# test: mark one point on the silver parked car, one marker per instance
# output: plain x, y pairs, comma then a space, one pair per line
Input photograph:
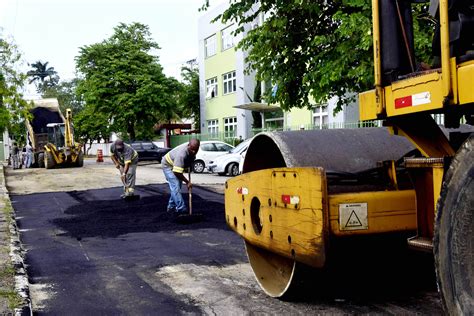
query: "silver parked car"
229, 163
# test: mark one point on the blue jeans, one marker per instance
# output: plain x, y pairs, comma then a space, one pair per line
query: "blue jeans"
176, 199
29, 160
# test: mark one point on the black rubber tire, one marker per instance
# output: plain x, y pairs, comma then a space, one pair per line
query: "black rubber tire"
80, 159
41, 160
454, 234
198, 166
49, 162
233, 169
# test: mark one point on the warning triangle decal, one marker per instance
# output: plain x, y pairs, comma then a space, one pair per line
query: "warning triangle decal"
353, 220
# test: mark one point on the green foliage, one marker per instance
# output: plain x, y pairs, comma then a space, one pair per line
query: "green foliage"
190, 96
90, 125
311, 50
13, 108
123, 80
43, 76
65, 92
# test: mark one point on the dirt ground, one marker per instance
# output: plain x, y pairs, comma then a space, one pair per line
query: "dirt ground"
95, 175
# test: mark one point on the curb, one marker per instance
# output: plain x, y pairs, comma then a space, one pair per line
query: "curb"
17, 254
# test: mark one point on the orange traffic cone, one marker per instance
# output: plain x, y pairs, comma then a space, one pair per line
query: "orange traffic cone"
100, 157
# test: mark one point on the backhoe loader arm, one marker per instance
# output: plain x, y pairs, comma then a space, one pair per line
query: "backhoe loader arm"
69, 134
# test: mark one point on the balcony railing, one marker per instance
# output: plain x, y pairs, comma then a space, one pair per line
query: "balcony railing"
231, 137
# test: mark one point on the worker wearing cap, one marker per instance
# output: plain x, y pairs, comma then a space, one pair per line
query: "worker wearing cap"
125, 159
174, 163
15, 156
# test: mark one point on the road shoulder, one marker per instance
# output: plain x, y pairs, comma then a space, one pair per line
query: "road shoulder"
14, 293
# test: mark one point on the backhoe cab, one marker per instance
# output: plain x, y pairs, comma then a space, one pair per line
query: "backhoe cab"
61, 150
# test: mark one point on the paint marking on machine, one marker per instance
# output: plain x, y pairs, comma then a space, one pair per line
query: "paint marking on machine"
242, 190
413, 100
353, 216
290, 199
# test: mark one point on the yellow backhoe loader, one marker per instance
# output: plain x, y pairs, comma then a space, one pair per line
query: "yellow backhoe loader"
412, 176
52, 136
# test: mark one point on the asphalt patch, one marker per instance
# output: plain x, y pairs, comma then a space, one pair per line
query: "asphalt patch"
112, 218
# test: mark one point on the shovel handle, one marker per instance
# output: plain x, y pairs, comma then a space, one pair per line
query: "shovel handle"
190, 194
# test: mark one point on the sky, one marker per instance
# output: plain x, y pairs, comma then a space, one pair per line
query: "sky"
54, 30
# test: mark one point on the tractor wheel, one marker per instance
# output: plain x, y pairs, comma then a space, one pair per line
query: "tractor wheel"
233, 169
49, 160
80, 159
454, 234
198, 166
41, 160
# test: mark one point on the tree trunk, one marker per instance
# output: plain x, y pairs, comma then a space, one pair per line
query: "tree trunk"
90, 146
131, 130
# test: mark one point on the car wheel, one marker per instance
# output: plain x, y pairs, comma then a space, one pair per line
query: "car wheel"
234, 169
198, 166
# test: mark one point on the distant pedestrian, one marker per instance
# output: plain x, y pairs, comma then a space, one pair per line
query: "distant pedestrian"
15, 156
174, 163
125, 159
29, 155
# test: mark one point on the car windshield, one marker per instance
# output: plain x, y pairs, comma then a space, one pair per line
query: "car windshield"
240, 146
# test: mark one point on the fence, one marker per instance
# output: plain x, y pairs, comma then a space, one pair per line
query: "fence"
230, 137
227, 137
92, 151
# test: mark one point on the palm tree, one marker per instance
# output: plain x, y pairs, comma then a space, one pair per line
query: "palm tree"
43, 75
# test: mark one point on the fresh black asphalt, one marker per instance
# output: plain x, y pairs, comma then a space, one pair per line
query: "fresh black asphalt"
76, 240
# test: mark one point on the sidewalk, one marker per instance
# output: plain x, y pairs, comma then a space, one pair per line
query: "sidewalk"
14, 294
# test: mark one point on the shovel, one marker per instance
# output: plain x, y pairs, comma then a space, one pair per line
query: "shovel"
189, 218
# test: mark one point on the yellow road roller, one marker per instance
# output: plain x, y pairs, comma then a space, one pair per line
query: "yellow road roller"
302, 190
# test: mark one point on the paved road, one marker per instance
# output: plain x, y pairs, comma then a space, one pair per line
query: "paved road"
90, 253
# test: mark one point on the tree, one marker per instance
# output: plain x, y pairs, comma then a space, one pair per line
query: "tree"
122, 79
90, 125
43, 76
65, 92
13, 108
190, 96
312, 49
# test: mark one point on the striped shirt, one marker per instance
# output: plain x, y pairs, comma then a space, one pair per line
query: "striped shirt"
178, 159
128, 155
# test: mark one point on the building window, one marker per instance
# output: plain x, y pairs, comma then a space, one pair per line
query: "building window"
211, 88
213, 127
210, 46
320, 116
227, 38
230, 126
229, 82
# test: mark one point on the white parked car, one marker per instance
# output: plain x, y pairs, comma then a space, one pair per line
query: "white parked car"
229, 163
208, 151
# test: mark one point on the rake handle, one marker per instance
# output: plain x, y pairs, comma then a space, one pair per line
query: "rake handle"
190, 195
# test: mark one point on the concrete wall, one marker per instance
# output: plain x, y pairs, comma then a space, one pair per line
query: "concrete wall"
106, 148
222, 62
